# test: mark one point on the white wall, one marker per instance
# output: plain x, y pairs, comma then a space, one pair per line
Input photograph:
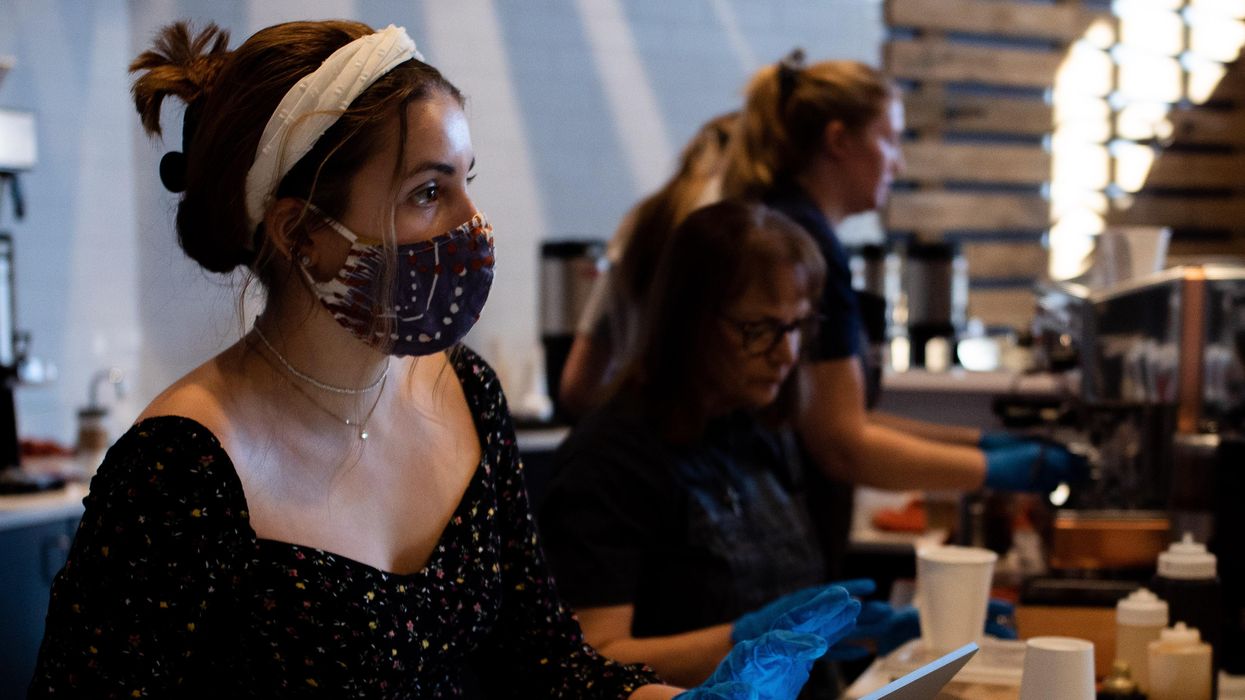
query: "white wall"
578, 108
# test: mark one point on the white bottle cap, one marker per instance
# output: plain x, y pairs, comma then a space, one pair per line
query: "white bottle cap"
1142, 609
1187, 560
1180, 634
1231, 687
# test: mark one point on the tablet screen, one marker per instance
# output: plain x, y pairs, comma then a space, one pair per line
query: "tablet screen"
927, 681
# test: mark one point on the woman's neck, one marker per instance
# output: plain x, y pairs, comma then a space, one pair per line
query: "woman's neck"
821, 183
313, 349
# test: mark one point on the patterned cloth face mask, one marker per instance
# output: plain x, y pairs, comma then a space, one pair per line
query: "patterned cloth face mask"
440, 286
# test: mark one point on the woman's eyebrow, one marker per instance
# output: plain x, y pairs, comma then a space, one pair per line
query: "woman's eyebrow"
439, 166
444, 168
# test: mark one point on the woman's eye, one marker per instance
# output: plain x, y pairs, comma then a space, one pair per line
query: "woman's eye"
471, 177
427, 194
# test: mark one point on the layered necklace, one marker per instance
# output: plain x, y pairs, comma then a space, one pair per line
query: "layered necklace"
359, 425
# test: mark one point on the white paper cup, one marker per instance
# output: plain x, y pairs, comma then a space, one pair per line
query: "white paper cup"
1058, 667
953, 590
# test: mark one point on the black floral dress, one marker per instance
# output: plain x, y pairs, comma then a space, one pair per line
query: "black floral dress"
169, 593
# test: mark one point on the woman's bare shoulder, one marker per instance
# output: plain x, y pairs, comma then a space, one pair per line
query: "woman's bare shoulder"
204, 395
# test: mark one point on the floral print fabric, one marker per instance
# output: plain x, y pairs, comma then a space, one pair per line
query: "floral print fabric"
168, 592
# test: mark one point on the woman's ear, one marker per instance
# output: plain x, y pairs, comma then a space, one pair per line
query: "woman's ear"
834, 139
285, 222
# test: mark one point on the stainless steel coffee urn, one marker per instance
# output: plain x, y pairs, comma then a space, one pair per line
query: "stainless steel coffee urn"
568, 271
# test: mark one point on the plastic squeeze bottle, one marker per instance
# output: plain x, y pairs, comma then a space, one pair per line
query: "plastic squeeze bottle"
1139, 619
1179, 665
1187, 580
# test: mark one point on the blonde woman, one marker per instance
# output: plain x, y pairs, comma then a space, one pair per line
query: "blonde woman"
821, 142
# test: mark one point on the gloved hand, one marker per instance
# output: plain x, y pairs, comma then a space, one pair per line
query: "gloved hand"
733, 690
890, 628
995, 439
1033, 465
881, 626
773, 666
1001, 619
826, 610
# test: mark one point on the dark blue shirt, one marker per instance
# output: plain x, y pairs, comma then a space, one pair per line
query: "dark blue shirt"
830, 500
840, 333
692, 535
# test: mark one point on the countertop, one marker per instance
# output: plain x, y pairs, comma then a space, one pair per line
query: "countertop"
962, 381
38, 508
31, 509
866, 537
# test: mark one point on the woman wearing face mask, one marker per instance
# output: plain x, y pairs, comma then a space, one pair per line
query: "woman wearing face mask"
822, 142
676, 523
332, 507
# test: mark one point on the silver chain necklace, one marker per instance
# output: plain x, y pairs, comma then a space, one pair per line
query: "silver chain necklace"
312, 380
360, 425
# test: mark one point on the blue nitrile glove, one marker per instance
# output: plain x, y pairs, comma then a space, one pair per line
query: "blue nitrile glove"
995, 439
827, 610
775, 666
890, 628
1033, 465
733, 690
886, 627
1001, 619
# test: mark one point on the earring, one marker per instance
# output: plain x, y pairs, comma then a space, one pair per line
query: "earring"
304, 260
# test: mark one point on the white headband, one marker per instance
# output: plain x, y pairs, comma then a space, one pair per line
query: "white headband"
314, 104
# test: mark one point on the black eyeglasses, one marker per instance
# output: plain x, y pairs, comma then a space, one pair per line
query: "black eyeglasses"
760, 337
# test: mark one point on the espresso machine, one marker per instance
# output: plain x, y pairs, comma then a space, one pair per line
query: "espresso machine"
17, 155
1161, 416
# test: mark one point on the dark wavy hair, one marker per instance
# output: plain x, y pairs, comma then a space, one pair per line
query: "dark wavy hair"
229, 97
709, 262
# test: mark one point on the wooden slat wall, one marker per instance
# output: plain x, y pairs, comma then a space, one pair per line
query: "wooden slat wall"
973, 114
976, 161
937, 210
1196, 185
1060, 23
947, 61
977, 75
928, 161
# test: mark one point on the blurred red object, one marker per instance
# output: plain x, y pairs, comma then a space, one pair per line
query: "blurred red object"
910, 518
33, 447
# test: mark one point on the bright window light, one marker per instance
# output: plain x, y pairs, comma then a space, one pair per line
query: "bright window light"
1155, 30
1101, 34
1072, 244
1071, 202
1219, 40
1132, 164
1142, 121
1117, 85
1149, 77
1125, 8
1079, 165
1081, 119
1228, 8
1086, 71
1204, 77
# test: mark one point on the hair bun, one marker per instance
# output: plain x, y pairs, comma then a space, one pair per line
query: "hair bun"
178, 64
173, 171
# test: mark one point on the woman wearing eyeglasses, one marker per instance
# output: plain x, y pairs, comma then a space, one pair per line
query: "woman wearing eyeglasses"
675, 523
821, 142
